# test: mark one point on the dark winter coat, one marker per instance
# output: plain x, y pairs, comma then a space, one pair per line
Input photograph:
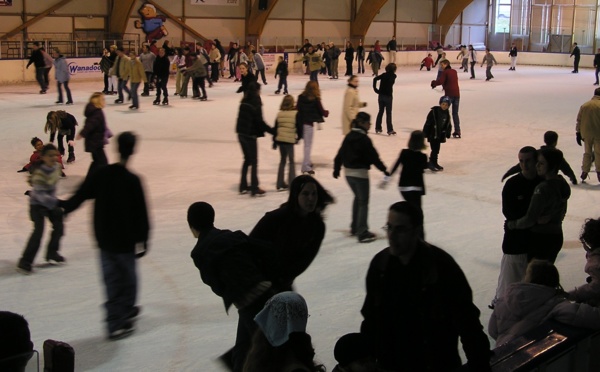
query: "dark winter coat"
414, 314
357, 152
349, 56
37, 58
231, 263
310, 110
296, 238
94, 128
360, 53
374, 57
246, 80
413, 163
162, 66
282, 69
386, 87
250, 119
120, 212
516, 197
437, 125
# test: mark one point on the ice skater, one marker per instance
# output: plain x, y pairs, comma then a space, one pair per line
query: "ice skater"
436, 129
62, 124
411, 184
43, 204
489, 61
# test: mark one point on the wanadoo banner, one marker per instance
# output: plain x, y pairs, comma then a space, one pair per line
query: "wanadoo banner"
215, 2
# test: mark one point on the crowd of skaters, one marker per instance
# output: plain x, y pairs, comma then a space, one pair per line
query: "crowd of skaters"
404, 228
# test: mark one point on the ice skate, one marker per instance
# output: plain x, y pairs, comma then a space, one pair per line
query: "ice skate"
156, 102
456, 135
165, 101
71, 158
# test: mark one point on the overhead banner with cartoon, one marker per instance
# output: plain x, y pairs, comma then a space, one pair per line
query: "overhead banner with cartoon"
152, 23
215, 2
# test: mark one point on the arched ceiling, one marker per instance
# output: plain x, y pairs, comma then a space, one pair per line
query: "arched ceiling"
367, 12
119, 16
449, 13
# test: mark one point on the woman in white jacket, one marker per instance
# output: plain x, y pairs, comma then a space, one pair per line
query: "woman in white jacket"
538, 298
352, 104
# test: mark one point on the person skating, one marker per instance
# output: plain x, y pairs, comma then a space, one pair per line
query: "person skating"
436, 129
385, 98
513, 57
489, 60
449, 82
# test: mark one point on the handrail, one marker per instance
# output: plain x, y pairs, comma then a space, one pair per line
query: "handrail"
550, 346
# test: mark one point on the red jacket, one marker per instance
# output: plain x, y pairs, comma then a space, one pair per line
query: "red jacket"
449, 81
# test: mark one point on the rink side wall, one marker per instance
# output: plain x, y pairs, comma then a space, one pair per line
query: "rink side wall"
14, 71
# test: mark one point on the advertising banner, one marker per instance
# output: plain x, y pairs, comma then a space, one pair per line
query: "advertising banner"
84, 68
270, 60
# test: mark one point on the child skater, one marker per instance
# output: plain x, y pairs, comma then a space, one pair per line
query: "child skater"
437, 128
427, 62
43, 203
282, 72
310, 111
63, 123
489, 61
287, 133
35, 158
413, 162
590, 238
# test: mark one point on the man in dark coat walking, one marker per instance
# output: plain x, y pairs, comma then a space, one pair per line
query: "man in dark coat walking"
419, 303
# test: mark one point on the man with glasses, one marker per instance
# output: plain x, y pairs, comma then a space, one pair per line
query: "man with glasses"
419, 302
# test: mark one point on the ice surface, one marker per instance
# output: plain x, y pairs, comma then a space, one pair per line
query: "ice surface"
188, 152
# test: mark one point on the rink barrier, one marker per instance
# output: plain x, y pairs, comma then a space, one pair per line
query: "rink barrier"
14, 71
552, 346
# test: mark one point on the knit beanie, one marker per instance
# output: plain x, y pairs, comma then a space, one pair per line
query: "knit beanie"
283, 314
444, 99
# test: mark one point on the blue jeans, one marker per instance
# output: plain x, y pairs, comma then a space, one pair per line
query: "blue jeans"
60, 94
134, 94
286, 151
120, 280
360, 206
385, 104
455, 101
314, 75
122, 86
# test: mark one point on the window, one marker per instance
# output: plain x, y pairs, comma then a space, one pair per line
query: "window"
502, 24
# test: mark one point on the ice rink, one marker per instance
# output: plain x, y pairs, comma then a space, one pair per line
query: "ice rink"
188, 151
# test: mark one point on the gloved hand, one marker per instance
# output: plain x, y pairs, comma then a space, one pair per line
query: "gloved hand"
141, 249
274, 145
336, 174
326, 113
432, 84
22, 170
578, 138
387, 174
574, 181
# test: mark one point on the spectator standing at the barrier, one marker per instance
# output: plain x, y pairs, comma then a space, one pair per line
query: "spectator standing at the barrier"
513, 57
391, 48
349, 58
334, 55
360, 57
577, 54
419, 303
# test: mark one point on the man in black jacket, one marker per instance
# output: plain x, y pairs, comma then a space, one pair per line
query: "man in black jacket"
577, 53
419, 302
120, 223
37, 58
516, 196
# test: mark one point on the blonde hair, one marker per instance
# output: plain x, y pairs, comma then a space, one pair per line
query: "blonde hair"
95, 99
287, 104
